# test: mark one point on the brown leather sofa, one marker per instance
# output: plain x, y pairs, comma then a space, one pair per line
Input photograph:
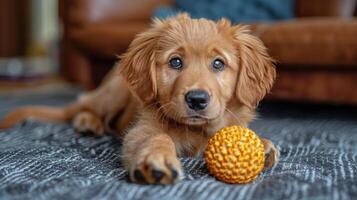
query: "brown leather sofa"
316, 52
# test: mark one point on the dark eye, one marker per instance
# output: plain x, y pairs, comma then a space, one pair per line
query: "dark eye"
175, 63
218, 64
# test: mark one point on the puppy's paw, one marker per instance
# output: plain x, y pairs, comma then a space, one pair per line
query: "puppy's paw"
88, 123
156, 168
272, 154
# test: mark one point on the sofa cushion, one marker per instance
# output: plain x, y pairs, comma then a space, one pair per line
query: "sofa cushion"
98, 11
320, 42
335, 8
105, 40
323, 42
315, 85
238, 11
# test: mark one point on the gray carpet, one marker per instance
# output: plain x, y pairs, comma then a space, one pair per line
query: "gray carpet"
49, 161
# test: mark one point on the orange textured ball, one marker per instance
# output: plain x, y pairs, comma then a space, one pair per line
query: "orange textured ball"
235, 155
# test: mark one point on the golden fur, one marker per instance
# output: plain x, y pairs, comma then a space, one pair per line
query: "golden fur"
143, 98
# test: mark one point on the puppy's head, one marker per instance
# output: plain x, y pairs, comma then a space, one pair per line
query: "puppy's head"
194, 68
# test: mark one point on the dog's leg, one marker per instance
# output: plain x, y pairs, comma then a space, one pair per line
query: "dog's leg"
151, 158
86, 122
272, 154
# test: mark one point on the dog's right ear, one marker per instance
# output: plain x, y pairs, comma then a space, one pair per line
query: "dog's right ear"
137, 65
257, 70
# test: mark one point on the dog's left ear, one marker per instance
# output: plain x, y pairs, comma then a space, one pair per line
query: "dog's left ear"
256, 69
137, 65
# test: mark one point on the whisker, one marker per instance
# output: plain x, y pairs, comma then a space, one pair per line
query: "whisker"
145, 107
235, 116
162, 112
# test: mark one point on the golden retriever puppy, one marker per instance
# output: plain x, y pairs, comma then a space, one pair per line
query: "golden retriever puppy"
178, 83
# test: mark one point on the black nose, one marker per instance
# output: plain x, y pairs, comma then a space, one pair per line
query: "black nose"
197, 99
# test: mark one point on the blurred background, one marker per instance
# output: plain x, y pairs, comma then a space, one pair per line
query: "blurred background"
52, 50
76, 41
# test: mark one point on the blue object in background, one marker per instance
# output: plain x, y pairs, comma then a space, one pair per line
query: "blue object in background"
237, 11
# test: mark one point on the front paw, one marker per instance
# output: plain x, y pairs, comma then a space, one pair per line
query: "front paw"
156, 168
272, 154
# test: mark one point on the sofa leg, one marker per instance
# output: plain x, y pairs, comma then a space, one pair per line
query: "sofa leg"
75, 66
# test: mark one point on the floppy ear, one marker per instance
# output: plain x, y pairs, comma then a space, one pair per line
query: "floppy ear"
256, 69
137, 65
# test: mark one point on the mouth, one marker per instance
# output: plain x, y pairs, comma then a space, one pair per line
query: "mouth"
196, 119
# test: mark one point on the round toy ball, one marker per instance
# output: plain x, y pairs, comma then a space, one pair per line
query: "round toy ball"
235, 155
